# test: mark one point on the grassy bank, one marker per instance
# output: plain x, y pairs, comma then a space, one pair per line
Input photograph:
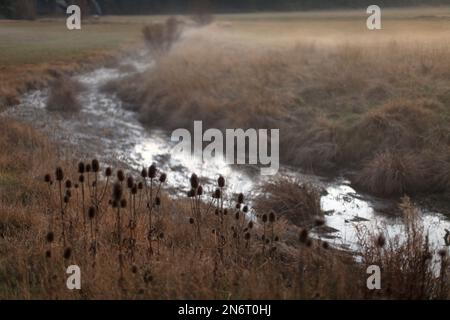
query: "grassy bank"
348, 106
31, 52
196, 247
376, 103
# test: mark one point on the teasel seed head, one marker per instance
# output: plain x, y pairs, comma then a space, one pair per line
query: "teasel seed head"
225, 212
325, 245
120, 176
81, 179
304, 235
158, 201
309, 243
130, 182
276, 239
241, 198
250, 225
264, 218
216, 212
67, 253
81, 168
221, 182
108, 172
238, 206
91, 213
200, 191
115, 204
245, 209
140, 186
161, 235
236, 215
66, 199
59, 174
191, 220
47, 178
134, 269
217, 194
134, 190
152, 171
381, 241
163, 177
123, 203
68, 184
144, 173
191, 193
319, 221
117, 192
48, 254
50, 237
95, 166
442, 253
68, 193
194, 181
272, 217
88, 168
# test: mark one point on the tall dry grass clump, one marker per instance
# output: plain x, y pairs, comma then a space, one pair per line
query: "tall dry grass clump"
338, 106
297, 202
160, 37
411, 268
64, 95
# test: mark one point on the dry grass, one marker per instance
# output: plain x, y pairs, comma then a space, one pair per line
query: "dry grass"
297, 202
31, 52
63, 95
338, 104
200, 247
408, 265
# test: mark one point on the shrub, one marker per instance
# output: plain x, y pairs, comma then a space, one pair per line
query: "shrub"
298, 202
63, 96
160, 37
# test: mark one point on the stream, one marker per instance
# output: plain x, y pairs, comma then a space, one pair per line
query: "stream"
104, 127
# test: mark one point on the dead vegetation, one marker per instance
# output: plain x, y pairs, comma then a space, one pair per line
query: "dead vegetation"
297, 202
412, 269
161, 36
64, 95
132, 240
337, 106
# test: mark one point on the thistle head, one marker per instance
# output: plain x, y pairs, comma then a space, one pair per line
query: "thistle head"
81, 168
95, 165
152, 171
59, 174
117, 192
272, 217
381, 241
194, 181
221, 182
108, 172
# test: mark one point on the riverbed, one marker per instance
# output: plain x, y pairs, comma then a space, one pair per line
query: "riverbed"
104, 129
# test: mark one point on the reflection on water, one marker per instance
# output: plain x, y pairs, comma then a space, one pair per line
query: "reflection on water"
103, 127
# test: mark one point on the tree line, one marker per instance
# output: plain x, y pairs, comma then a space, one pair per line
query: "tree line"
29, 9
